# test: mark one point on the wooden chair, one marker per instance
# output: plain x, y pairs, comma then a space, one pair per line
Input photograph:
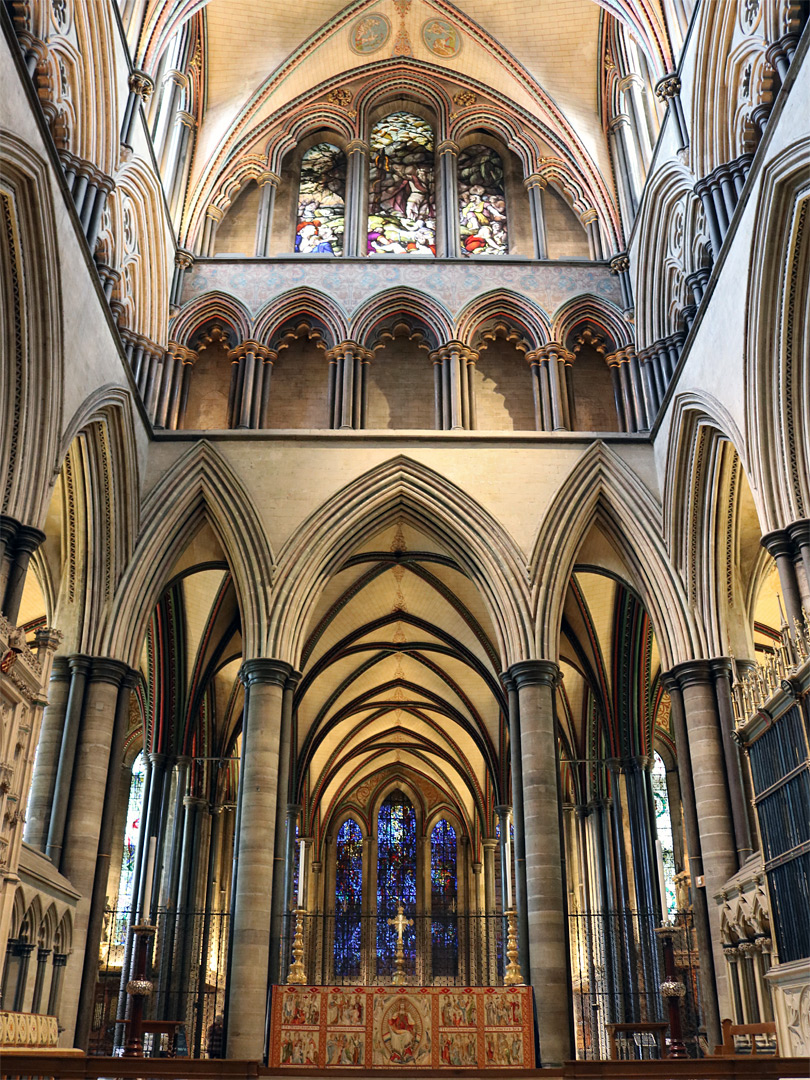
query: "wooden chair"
728, 1047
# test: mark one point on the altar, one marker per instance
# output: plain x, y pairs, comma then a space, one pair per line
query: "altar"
428, 1027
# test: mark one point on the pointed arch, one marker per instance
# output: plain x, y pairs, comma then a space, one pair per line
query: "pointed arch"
401, 489
602, 488
212, 307
508, 307
397, 305
303, 305
31, 394
777, 375
596, 312
199, 486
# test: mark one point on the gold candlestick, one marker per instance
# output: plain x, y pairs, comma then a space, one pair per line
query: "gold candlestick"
297, 973
400, 923
512, 975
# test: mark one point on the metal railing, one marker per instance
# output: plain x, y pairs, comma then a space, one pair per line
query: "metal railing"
188, 966
358, 949
617, 971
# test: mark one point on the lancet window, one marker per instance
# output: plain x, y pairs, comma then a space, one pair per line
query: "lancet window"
402, 205
348, 900
443, 900
321, 201
482, 202
663, 825
396, 879
132, 828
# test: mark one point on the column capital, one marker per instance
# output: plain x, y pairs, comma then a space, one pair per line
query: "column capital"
448, 146
249, 346
264, 671
536, 673
183, 259
535, 180
185, 119
141, 84
721, 667
293, 809
620, 264
60, 669
668, 87
79, 663
215, 213
267, 177
503, 809
778, 543
359, 352
799, 532
588, 216
357, 146
28, 538
489, 843
691, 673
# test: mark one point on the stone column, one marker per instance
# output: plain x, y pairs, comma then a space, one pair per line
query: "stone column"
668, 92
98, 898
285, 769
780, 547
505, 844
268, 184
347, 389
40, 800
83, 827
355, 237
516, 769
448, 234
264, 682
590, 223
39, 981
213, 216
489, 911
535, 186
141, 86
721, 671
556, 357
617, 129
799, 533
79, 666
620, 267
536, 682
711, 1012
18, 554
183, 261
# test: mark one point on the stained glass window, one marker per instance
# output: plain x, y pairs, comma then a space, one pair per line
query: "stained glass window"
131, 829
663, 825
348, 899
402, 206
396, 879
482, 202
321, 201
443, 894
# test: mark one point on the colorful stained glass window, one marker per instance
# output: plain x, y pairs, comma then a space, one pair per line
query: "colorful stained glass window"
663, 825
402, 204
131, 828
321, 201
482, 202
443, 896
348, 899
396, 879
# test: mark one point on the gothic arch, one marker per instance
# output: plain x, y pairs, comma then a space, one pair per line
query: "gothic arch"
213, 307
517, 312
596, 312
303, 306
199, 486
401, 489
401, 305
601, 487
31, 401
777, 376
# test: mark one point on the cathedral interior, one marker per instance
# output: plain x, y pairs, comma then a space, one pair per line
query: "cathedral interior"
405, 535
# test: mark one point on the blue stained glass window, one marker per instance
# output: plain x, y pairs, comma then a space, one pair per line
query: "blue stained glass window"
348, 899
443, 895
396, 879
321, 201
131, 830
663, 825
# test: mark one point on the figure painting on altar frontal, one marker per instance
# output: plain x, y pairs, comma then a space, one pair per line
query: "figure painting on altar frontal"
346, 1010
402, 1032
402, 206
482, 202
458, 1051
321, 201
301, 1010
503, 1010
503, 1048
345, 1047
457, 1010
299, 1048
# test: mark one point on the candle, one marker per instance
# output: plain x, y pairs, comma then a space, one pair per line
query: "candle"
150, 873
659, 858
302, 870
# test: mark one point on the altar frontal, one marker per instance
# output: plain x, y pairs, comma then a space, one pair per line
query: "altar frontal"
419, 1027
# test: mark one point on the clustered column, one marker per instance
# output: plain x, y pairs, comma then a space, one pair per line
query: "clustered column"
448, 237
356, 230
347, 403
454, 387
620, 267
171, 391
551, 387
720, 192
213, 216
268, 184
249, 396
141, 87
590, 223
790, 549
535, 186
668, 92
627, 391
90, 189
146, 362
658, 363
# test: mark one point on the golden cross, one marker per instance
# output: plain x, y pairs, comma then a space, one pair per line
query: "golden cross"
400, 922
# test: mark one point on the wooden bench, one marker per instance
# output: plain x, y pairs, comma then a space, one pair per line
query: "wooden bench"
728, 1047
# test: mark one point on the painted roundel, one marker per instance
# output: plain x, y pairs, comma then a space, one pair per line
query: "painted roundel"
369, 33
441, 37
